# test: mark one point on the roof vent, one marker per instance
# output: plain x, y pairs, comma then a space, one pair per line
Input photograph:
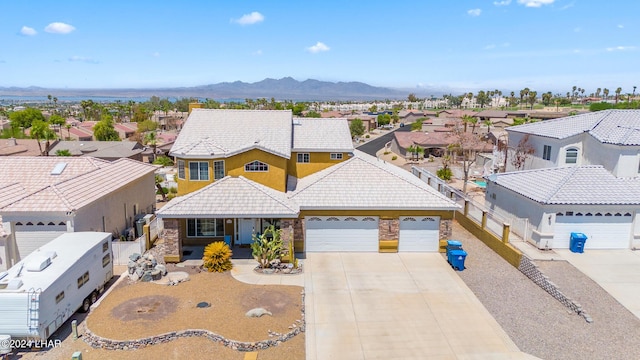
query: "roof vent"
14, 284
38, 263
58, 169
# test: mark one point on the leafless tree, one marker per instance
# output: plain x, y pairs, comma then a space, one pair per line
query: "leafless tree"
465, 146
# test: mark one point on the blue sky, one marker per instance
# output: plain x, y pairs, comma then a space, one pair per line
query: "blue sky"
546, 45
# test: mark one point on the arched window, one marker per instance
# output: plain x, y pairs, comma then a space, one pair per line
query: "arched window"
256, 166
571, 156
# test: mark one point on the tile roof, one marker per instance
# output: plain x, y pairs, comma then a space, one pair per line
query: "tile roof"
313, 134
100, 149
74, 188
585, 185
619, 127
21, 147
364, 182
231, 197
210, 133
492, 114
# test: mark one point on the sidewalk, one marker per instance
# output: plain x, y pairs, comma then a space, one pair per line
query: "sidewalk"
243, 271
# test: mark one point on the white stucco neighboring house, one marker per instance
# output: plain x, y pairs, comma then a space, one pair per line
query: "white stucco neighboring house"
43, 197
584, 176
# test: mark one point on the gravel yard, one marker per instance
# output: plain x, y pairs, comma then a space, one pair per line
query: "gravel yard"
539, 324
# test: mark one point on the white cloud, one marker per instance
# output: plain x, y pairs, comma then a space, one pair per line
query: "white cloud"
490, 46
87, 60
249, 19
506, 44
620, 26
155, 54
621, 48
474, 12
502, 3
59, 28
318, 47
578, 29
27, 31
535, 3
257, 53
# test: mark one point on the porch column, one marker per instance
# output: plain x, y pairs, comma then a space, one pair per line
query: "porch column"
172, 243
286, 232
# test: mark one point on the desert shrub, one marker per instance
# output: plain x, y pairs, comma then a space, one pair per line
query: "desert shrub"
217, 257
173, 190
445, 174
267, 247
394, 157
163, 160
367, 136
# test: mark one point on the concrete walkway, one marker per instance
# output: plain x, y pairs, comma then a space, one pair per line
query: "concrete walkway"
396, 306
616, 271
243, 271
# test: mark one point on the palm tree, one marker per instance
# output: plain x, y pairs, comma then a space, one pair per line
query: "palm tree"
415, 150
618, 91
467, 119
150, 139
55, 103
598, 92
573, 91
605, 92
40, 131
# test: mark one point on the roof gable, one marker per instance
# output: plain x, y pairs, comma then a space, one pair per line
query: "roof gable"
317, 134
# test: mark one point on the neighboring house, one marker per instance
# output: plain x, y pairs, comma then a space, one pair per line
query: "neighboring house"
42, 197
241, 170
584, 176
491, 114
434, 143
80, 134
456, 113
105, 150
22, 147
409, 116
126, 130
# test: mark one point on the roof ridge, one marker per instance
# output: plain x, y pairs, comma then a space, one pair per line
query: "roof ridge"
262, 188
321, 175
180, 199
561, 183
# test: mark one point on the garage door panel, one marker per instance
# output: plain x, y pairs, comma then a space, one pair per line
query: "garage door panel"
603, 232
341, 233
418, 234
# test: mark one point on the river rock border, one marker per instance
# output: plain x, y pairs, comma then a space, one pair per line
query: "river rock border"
99, 342
529, 268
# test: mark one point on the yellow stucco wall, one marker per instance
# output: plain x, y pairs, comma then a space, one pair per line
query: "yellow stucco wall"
318, 161
275, 178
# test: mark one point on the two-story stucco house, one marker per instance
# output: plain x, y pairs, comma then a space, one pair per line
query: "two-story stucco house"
42, 197
241, 170
584, 176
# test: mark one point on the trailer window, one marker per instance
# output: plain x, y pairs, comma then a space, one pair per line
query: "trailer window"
105, 246
59, 297
83, 279
106, 260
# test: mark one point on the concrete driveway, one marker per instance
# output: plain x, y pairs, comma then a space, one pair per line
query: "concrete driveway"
616, 271
396, 306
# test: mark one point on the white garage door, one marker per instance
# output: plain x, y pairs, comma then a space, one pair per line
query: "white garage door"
29, 241
341, 233
603, 230
419, 233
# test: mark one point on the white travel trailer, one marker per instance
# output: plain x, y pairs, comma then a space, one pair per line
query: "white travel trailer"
39, 293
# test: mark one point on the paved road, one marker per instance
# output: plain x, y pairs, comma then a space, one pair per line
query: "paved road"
372, 147
396, 306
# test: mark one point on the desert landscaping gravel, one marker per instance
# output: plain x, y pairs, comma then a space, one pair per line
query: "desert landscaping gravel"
537, 323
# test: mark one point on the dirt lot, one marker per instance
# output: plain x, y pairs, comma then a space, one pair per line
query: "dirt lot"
133, 311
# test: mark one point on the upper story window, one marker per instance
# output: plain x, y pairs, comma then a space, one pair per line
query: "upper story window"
571, 156
218, 169
336, 156
304, 158
198, 170
546, 152
181, 174
256, 166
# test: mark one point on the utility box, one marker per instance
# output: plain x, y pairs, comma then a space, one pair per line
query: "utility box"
577, 241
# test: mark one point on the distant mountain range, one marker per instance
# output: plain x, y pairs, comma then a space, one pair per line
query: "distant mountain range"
281, 89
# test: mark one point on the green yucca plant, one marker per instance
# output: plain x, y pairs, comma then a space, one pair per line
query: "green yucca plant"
217, 257
267, 247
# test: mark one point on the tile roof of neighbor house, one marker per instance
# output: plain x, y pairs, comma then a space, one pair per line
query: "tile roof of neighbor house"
364, 182
585, 185
492, 114
82, 181
100, 149
406, 139
231, 197
210, 133
313, 134
20, 147
619, 127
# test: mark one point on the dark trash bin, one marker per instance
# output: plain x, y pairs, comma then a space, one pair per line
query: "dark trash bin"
576, 242
452, 245
457, 258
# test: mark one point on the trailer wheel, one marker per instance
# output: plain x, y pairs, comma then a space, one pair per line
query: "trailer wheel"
86, 305
94, 297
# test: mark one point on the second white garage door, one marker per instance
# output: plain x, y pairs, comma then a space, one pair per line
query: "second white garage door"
603, 232
341, 233
419, 233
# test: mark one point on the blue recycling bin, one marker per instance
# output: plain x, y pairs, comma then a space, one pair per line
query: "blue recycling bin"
457, 259
576, 242
452, 245
227, 239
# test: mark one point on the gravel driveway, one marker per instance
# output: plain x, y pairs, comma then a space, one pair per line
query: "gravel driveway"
539, 324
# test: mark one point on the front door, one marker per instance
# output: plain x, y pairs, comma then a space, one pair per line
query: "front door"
246, 229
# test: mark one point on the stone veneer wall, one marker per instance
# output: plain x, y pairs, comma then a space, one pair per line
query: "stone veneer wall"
286, 227
388, 229
298, 234
529, 268
99, 342
446, 229
171, 237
